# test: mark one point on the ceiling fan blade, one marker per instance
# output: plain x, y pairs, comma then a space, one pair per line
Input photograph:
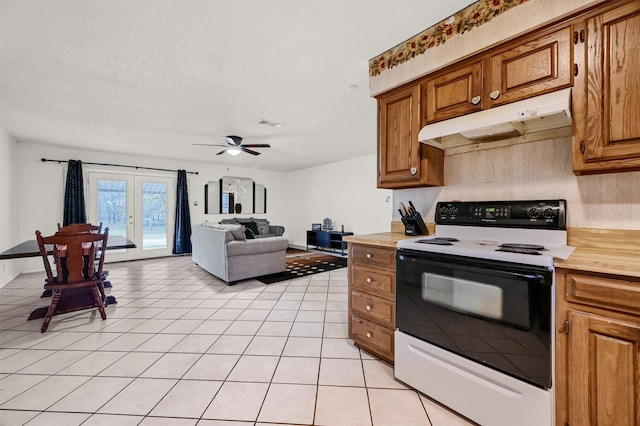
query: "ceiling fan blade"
233, 140
207, 144
249, 151
257, 145
222, 152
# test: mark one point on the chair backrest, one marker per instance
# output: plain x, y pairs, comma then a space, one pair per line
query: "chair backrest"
81, 227
73, 254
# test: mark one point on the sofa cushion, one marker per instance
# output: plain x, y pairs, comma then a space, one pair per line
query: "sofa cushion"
251, 225
263, 245
239, 233
263, 228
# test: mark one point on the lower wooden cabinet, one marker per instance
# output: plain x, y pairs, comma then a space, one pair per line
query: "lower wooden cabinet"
598, 350
372, 298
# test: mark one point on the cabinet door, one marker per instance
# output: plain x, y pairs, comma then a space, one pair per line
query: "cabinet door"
398, 127
529, 69
603, 371
455, 93
613, 87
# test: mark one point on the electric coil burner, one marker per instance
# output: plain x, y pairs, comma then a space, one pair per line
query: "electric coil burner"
474, 309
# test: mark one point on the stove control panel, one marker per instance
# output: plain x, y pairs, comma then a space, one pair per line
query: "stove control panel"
541, 214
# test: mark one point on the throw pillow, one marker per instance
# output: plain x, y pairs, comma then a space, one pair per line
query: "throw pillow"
249, 234
263, 228
239, 233
253, 226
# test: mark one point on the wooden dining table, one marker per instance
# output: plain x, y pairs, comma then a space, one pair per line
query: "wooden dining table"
30, 248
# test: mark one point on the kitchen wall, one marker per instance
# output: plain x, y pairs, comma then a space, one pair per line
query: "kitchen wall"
345, 192
535, 170
8, 211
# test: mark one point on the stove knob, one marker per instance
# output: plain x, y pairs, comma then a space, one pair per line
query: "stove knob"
533, 212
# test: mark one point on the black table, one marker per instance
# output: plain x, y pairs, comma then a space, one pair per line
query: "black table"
30, 249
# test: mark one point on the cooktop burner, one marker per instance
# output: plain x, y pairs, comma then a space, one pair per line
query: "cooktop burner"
440, 241
521, 250
522, 246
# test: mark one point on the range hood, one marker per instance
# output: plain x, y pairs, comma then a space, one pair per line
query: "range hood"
516, 120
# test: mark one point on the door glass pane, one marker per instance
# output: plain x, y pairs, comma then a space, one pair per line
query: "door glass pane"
112, 206
154, 206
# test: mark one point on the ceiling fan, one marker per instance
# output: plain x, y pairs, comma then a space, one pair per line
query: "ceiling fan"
234, 146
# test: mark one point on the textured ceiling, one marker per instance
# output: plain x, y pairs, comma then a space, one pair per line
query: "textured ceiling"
155, 77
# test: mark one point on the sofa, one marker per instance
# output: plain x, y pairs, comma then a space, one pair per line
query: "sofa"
261, 228
224, 251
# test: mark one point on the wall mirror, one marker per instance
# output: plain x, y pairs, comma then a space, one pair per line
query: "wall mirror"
234, 195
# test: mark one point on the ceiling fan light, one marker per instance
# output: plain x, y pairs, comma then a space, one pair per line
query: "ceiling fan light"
233, 151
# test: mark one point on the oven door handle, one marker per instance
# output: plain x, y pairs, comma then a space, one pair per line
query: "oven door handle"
534, 278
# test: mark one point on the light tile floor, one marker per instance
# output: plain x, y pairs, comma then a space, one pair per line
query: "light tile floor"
183, 348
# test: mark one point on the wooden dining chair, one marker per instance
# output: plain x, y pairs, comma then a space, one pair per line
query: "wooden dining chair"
86, 227
81, 227
78, 282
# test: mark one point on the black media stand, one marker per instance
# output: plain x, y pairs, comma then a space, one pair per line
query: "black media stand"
325, 240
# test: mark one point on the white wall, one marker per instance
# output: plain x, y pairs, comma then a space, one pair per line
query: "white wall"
536, 170
345, 192
39, 189
8, 211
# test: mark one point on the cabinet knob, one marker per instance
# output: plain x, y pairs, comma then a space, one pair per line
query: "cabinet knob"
369, 255
494, 95
369, 334
413, 171
368, 307
369, 280
476, 100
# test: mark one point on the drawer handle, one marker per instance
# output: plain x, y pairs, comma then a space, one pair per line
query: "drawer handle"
369, 280
369, 255
369, 334
368, 307
494, 95
475, 100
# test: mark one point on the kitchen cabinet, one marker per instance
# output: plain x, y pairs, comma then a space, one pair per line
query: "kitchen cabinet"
372, 279
598, 349
606, 95
403, 162
518, 70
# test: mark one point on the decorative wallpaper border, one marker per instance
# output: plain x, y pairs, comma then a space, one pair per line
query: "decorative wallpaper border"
472, 16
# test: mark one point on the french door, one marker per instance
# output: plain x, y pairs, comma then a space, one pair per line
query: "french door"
138, 207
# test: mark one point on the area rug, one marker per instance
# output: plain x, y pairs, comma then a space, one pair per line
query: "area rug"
302, 263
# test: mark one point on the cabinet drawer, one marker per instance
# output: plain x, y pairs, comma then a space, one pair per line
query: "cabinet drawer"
373, 256
372, 337
379, 282
373, 308
618, 295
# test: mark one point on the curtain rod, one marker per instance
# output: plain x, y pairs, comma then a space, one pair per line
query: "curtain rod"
117, 165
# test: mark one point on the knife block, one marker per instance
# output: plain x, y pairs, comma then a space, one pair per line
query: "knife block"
414, 225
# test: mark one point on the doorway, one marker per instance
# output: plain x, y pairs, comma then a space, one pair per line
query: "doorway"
138, 207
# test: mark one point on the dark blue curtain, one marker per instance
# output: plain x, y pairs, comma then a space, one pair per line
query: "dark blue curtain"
74, 208
182, 236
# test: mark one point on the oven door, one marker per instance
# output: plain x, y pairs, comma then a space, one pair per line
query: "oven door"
494, 313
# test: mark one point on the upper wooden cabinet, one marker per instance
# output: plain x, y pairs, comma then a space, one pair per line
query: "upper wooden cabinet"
532, 68
455, 93
606, 134
518, 71
403, 162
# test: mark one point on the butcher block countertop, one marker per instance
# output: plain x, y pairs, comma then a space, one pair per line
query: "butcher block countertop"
381, 239
602, 251
617, 262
